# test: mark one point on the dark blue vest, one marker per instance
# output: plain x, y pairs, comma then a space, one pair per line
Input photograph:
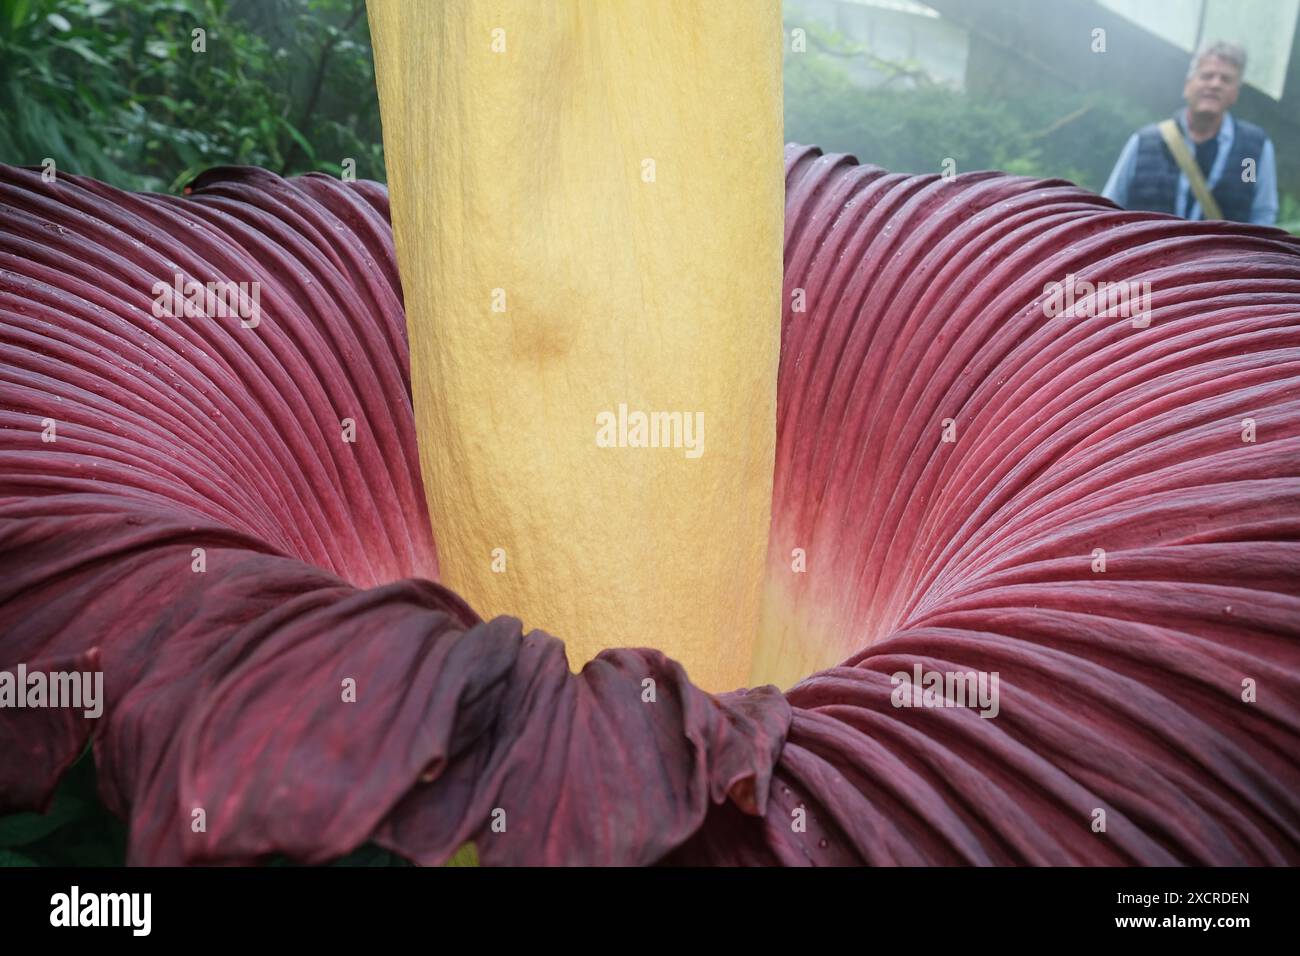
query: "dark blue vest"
1155, 176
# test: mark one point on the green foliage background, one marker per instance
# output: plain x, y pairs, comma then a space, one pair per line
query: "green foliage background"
115, 90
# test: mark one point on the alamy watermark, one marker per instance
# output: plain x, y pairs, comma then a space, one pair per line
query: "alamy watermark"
191, 299
1104, 300
922, 688
75, 908
624, 429
82, 690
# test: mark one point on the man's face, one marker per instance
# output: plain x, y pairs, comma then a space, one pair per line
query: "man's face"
1213, 87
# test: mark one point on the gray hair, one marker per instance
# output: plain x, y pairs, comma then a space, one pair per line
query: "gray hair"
1234, 53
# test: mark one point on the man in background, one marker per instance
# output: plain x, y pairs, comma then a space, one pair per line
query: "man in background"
1203, 163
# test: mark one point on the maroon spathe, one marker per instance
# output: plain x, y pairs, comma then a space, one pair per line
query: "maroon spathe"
1120, 691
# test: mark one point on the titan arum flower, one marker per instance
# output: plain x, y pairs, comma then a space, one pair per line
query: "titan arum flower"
908, 467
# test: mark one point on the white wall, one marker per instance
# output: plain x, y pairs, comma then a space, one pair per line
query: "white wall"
895, 30
1266, 28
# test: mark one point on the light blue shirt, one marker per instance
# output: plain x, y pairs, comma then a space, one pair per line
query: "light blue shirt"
1263, 210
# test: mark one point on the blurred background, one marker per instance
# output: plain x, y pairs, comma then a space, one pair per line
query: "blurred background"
115, 89
1018, 85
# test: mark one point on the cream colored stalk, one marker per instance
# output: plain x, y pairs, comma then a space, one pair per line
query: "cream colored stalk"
587, 199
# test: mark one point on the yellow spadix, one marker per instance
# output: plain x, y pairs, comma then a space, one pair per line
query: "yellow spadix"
587, 200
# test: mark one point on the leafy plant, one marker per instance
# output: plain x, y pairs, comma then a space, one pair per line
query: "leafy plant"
148, 94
